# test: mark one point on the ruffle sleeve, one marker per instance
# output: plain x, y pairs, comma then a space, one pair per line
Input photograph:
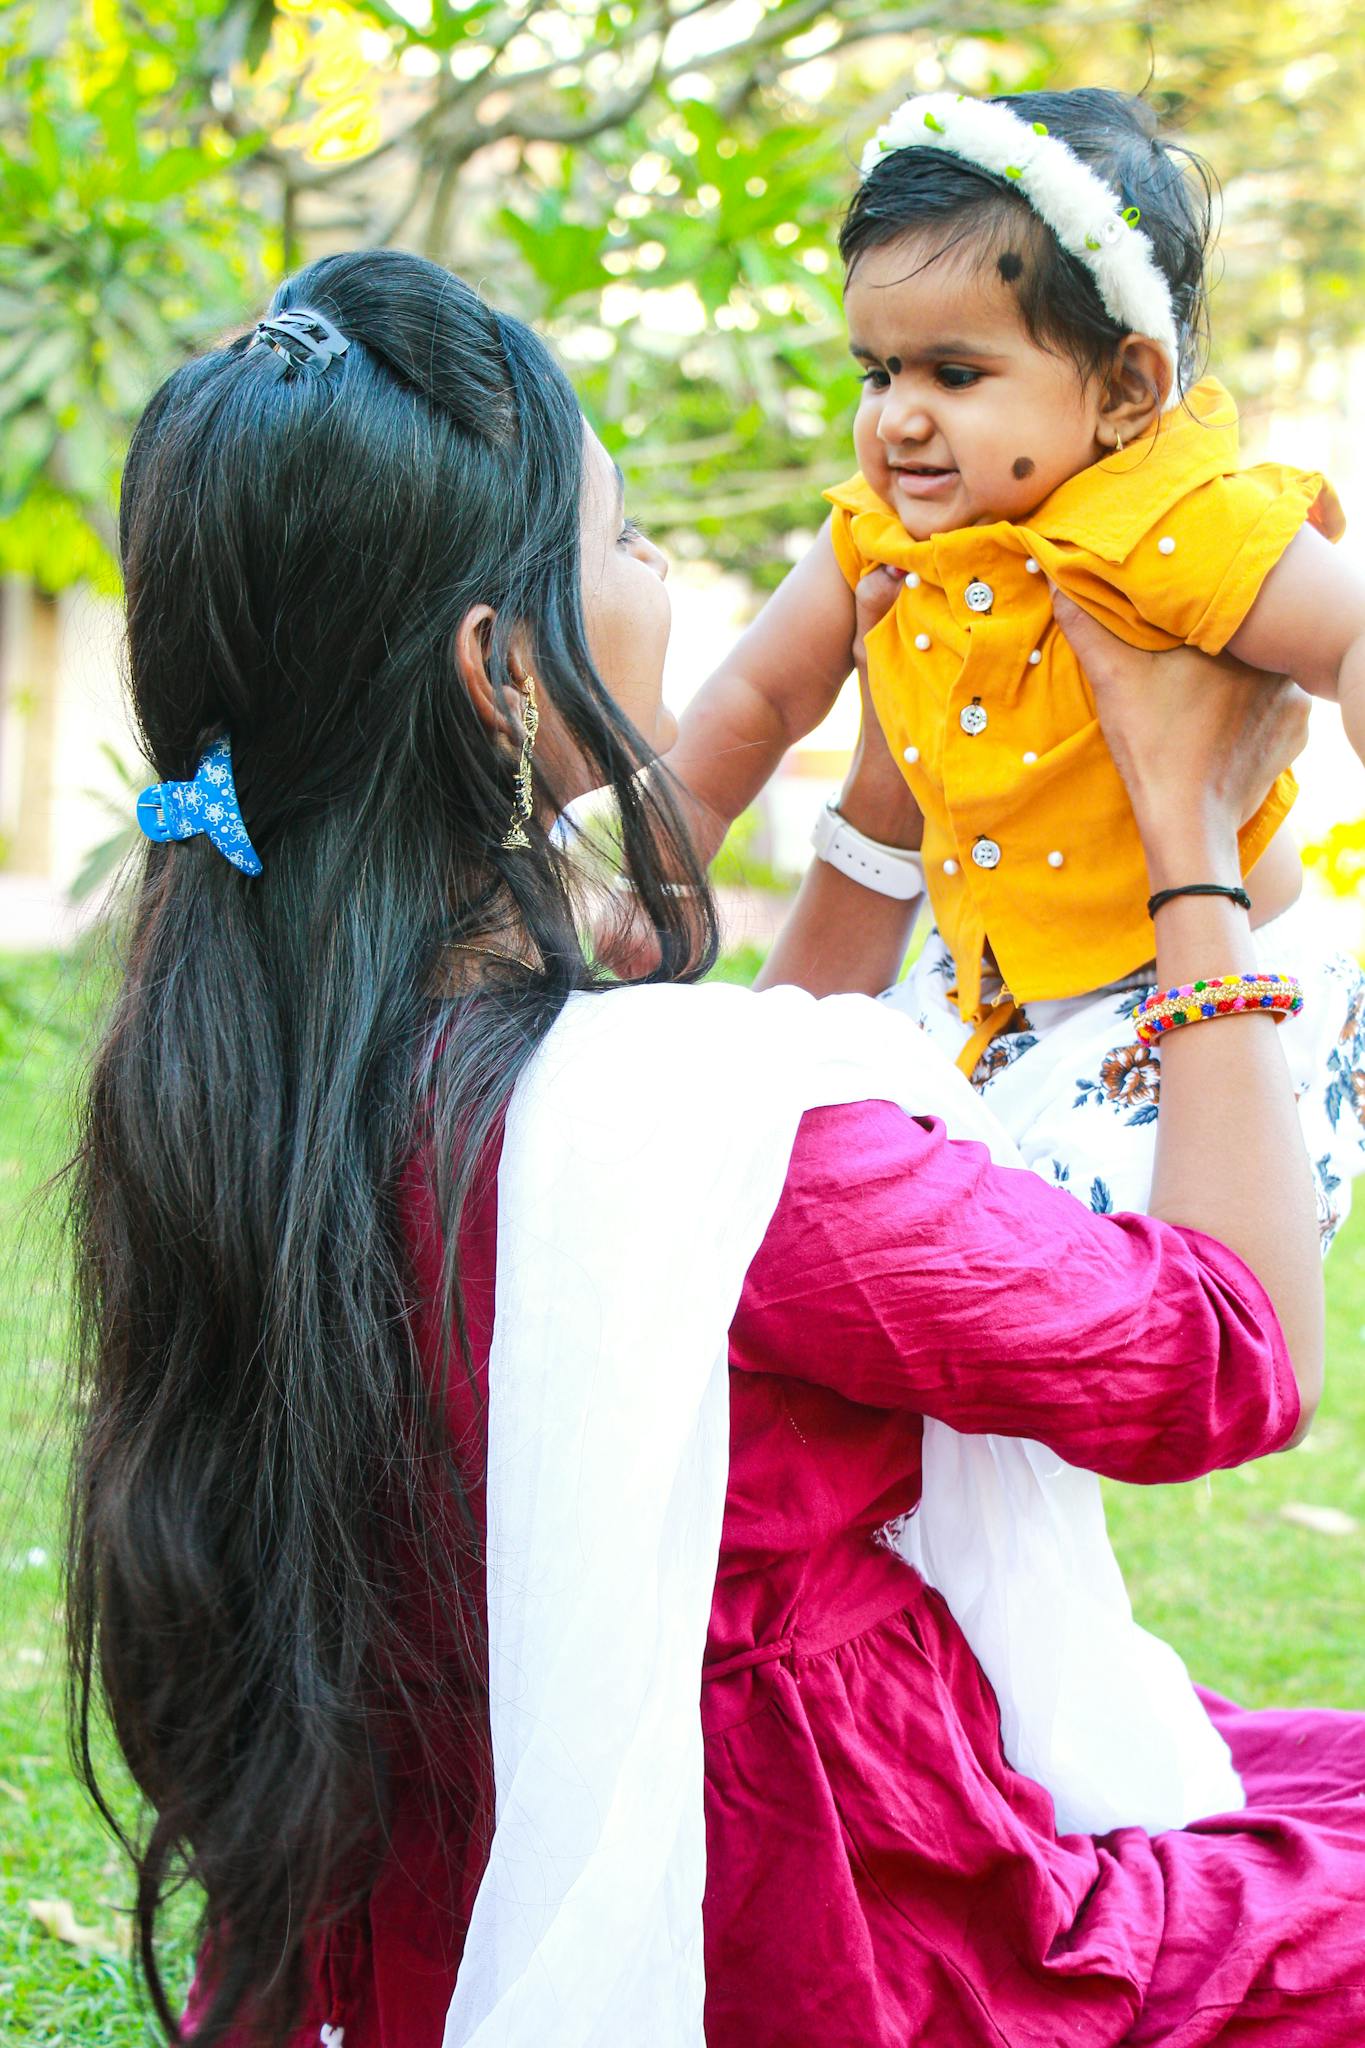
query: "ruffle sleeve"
865, 531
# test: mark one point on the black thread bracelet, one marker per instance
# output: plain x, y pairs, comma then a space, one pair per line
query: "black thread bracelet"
1238, 895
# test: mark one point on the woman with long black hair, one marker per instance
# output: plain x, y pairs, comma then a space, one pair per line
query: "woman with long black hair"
482, 1359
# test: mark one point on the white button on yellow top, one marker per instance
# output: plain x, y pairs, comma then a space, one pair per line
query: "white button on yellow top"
1029, 759
1031, 566
979, 596
972, 718
1035, 657
912, 579
911, 754
1165, 546
950, 867
923, 642
1054, 860
986, 853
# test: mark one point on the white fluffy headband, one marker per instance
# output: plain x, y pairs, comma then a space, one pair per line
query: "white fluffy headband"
1081, 210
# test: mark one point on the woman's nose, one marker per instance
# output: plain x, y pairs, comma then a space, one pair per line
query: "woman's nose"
655, 558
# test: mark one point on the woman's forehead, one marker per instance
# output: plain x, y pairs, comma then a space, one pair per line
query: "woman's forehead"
604, 484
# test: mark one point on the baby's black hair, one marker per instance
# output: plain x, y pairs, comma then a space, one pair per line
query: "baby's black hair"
925, 191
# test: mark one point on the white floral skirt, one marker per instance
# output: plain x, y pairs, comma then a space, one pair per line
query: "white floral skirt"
1079, 1093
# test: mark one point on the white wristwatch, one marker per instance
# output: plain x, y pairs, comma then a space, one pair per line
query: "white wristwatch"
890, 870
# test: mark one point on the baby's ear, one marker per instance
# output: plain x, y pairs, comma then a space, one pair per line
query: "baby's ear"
1135, 390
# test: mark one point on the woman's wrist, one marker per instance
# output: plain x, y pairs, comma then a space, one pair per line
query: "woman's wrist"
1183, 848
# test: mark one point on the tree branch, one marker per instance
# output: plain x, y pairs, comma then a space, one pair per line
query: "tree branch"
613, 115
450, 147
767, 495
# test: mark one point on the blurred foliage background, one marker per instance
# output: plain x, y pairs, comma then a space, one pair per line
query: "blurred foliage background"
657, 182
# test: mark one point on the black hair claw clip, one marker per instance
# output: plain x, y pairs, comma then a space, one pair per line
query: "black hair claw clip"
303, 339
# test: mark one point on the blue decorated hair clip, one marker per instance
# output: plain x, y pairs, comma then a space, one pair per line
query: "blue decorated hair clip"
179, 810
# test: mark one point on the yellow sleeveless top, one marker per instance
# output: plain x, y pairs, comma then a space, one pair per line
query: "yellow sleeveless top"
1030, 843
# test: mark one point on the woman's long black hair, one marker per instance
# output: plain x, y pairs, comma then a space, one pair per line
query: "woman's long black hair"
262, 1471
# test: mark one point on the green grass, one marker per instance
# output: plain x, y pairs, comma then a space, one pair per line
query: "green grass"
1260, 1608
52, 1847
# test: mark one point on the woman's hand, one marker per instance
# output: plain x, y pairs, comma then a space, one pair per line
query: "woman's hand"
1197, 740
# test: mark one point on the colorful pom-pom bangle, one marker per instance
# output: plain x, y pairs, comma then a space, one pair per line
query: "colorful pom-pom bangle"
1222, 995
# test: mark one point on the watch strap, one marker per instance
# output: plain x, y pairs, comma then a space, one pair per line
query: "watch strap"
895, 871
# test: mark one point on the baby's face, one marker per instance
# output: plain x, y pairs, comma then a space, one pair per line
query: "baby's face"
964, 419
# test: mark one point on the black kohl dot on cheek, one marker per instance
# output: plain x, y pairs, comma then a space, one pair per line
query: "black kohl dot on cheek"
1010, 265
893, 364
1023, 467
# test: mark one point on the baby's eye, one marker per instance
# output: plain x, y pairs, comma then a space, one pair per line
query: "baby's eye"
874, 380
957, 377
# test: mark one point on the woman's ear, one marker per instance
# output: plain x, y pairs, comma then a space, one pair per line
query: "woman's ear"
473, 645
1135, 391
473, 639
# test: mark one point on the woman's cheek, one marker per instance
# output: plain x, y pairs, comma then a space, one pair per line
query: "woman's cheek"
665, 725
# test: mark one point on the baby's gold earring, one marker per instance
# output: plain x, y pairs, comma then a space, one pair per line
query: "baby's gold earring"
515, 835
1118, 442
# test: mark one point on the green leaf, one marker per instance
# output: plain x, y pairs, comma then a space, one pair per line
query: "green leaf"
116, 110
564, 256
179, 170
87, 455
38, 367
25, 444
260, 27
47, 156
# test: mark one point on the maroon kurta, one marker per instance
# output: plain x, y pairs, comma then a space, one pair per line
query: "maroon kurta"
877, 1873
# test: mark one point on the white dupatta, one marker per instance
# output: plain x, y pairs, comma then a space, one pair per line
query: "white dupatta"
645, 1151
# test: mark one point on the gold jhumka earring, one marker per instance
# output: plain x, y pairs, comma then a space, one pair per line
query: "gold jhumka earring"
515, 836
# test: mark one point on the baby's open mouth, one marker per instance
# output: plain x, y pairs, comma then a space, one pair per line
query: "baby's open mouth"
919, 479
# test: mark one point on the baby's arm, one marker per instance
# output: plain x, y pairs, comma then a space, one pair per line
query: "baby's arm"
781, 678
1309, 622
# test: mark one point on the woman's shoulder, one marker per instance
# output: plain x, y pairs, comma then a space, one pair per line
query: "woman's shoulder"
732, 1059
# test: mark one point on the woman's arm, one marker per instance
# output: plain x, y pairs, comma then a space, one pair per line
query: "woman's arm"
904, 1269
1194, 739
